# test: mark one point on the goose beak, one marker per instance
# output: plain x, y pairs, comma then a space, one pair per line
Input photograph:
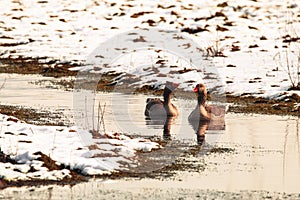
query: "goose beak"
196, 89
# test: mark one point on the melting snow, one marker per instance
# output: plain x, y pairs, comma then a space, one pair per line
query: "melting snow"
21, 141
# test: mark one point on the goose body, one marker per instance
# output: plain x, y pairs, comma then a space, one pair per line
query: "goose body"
157, 108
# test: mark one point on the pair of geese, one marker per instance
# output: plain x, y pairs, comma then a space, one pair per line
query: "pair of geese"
201, 115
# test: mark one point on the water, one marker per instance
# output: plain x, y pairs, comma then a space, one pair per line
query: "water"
123, 113
266, 148
21, 90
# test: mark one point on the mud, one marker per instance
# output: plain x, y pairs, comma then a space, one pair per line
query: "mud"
264, 106
22, 65
35, 116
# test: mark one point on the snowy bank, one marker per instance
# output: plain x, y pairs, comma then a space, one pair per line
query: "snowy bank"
25, 143
250, 38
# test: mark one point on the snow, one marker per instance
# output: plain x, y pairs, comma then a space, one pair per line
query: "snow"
71, 30
63, 144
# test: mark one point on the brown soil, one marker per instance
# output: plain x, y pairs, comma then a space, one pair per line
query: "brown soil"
264, 106
190, 160
6, 158
34, 116
36, 66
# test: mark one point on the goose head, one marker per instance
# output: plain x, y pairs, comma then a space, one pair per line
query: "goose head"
201, 92
170, 86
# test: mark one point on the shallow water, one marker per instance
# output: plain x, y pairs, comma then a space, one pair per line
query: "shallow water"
266, 149
123, 113
22, 90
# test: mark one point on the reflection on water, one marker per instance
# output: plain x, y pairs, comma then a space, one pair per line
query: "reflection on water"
125, 113
167, 127
128, 116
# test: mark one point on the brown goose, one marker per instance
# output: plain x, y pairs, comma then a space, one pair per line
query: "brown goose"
205, 117
157, 108
202, 111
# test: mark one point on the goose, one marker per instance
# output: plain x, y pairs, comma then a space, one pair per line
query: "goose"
205, 117
157, 108
202, 111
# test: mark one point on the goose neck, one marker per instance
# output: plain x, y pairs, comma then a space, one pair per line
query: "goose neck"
167, 96
201, 100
